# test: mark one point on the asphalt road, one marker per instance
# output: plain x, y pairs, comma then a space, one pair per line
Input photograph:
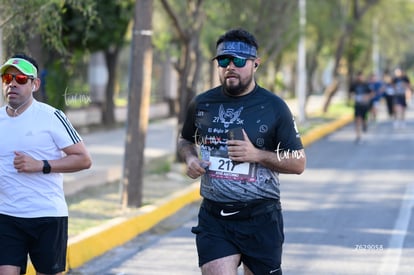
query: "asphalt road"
350, 212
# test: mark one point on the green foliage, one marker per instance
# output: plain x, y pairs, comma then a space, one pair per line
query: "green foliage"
161, 38
22, 19
56, 75
396, 33
90, 25
101, 29
66, 25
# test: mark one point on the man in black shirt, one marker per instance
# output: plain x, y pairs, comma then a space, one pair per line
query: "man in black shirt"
238, 137
362, 95
402, 89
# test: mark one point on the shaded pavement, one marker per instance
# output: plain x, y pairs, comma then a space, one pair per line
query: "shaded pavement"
349, 213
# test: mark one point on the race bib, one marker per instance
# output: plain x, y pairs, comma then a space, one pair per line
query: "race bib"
221, 167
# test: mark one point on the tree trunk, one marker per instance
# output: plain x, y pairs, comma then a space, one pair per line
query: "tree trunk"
332, 88
330, 91
183, 84
108, 106
138, 108
36, 50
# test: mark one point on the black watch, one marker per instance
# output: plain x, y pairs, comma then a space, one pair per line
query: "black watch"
46, 167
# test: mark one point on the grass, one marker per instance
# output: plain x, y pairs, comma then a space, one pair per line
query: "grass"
335, 111
97, 205
93, 206
160, 166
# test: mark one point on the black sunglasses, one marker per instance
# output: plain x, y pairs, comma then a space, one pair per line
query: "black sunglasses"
237, 61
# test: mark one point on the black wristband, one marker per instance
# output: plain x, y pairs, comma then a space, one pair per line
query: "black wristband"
46, 167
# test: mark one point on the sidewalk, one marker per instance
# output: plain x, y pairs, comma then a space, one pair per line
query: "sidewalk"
107, 150
107, 147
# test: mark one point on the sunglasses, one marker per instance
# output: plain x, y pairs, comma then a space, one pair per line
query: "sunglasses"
237, 61
20, 78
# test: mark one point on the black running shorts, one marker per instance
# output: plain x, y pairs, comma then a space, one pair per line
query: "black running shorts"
44, 239
361, 110
258, 239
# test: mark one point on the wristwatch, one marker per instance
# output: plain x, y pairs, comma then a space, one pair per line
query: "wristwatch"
46, 167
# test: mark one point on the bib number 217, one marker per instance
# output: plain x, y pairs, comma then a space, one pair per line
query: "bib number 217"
228, 166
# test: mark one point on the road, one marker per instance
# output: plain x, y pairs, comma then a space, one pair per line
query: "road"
350, 212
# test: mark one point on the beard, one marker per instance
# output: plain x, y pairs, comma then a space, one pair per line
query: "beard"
236, 88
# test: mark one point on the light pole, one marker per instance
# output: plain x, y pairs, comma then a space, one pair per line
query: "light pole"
301, 65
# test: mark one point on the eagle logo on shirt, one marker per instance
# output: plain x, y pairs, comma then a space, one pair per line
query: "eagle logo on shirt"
229, 116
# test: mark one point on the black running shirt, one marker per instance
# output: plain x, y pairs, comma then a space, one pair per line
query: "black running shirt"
270, 126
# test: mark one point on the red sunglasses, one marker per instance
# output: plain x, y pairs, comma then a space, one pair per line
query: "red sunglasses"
20, 78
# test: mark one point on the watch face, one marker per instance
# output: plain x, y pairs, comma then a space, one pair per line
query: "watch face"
46, 167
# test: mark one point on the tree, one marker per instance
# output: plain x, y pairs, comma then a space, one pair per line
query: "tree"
138, 100
39, 34
353, 15
274, 24
188, 30
108, 35
20, 23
